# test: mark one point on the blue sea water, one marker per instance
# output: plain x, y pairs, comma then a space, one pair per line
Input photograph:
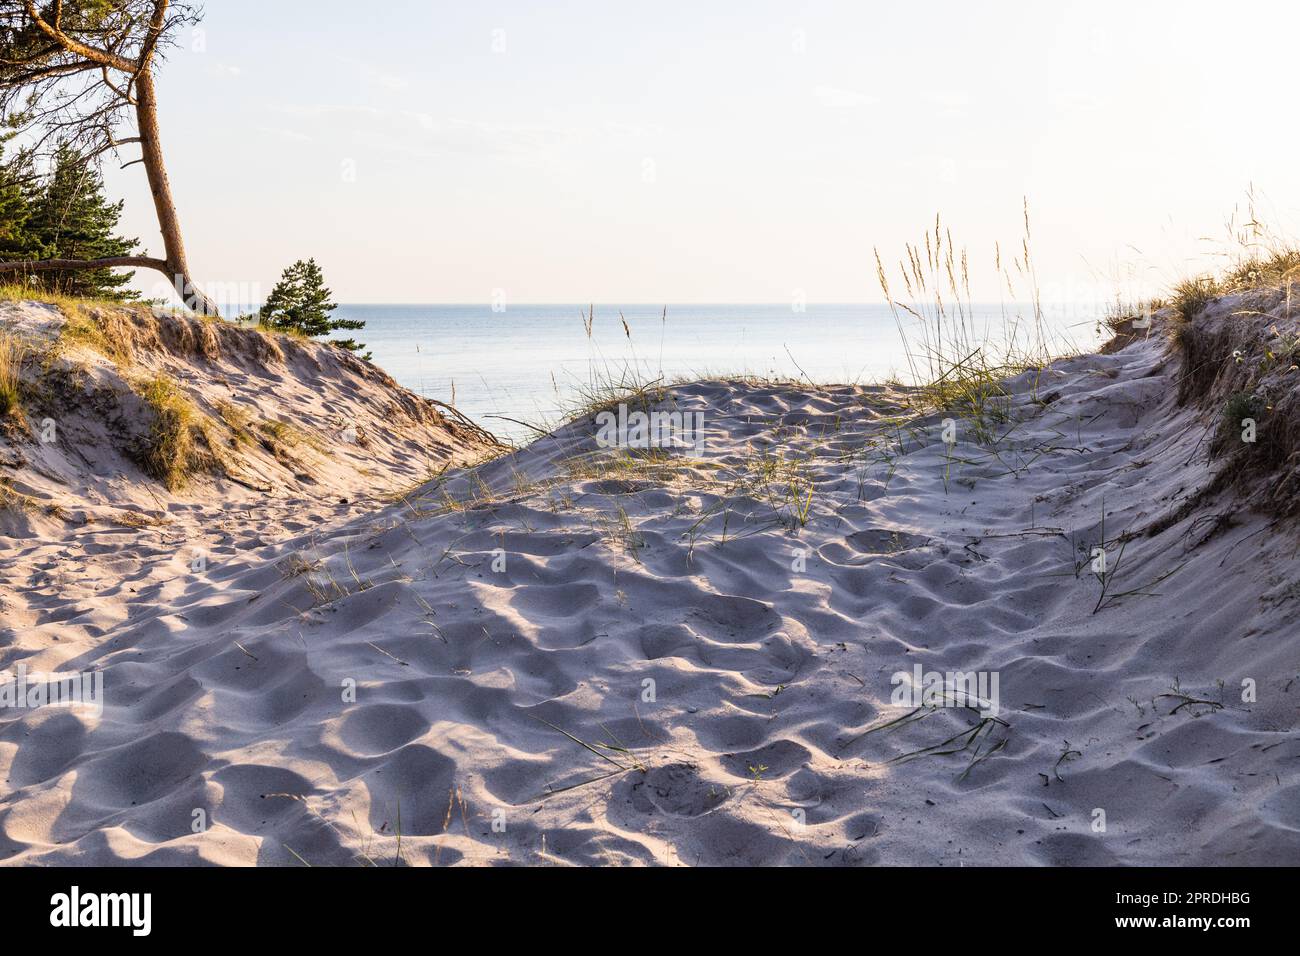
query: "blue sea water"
530, 362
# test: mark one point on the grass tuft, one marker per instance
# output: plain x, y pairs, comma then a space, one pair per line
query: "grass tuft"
170, 454
16, 292
240, 422
1190, 296
280, 438
11, 363
1240, 406
81, 327
954, 362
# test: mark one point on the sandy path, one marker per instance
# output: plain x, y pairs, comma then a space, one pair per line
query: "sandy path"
769, 633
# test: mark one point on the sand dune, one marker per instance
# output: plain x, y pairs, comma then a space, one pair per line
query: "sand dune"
573, 655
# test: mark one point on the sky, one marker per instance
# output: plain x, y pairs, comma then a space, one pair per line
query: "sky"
723, 152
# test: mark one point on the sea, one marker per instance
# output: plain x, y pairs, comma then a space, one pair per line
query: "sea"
524, 367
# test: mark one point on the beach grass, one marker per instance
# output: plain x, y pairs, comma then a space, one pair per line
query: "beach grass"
954, 361
12, 352
170, 454
80, 327
17, 292
240, 422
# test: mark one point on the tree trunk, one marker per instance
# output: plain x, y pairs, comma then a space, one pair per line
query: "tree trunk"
139, 72
169, 225
175, 266
80, 265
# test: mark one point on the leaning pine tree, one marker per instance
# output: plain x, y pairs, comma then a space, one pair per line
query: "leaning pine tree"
301, 304
76, 72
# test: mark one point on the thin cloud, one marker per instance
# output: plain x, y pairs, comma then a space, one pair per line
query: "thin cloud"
288, 135
840, 99
224, 69
951, 103
413, 131
391, 82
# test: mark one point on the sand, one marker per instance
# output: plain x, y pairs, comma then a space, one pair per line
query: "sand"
561, 658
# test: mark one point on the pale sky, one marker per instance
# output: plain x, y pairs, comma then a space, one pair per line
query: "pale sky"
722, 152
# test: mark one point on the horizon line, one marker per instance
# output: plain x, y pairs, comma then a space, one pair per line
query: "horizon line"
660, 305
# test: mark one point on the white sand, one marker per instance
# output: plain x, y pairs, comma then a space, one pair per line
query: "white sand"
225, 689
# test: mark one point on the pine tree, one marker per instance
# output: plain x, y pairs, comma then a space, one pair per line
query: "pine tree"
71, 219
85, 72
300, 303
17, 185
